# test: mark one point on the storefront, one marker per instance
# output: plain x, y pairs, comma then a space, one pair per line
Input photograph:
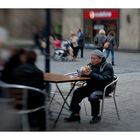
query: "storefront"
96, 19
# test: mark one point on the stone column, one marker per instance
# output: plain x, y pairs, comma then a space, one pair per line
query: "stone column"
130, 29
72, 20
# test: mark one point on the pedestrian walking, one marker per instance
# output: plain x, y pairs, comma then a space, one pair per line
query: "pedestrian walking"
81, 41
111, 47
39, 39
100, 40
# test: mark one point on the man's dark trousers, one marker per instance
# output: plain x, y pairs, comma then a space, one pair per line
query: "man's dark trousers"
78, 95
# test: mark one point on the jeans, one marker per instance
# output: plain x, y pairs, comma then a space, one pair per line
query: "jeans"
107, 52
82, 92
94, 100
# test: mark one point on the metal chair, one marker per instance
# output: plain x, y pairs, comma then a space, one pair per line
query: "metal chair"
15, 97
110, 88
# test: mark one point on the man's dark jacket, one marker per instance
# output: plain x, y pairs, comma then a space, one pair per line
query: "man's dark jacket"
101, 75
29, 75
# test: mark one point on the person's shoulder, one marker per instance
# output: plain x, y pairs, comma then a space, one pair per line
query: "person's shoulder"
110, 67
107, 65
108, 36
27, 69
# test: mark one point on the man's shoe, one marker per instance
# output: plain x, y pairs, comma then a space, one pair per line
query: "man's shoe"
95, 120
73, 118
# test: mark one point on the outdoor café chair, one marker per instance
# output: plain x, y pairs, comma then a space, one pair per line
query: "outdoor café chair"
15, 99
111, 88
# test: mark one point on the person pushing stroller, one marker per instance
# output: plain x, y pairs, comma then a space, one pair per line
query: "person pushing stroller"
63, 53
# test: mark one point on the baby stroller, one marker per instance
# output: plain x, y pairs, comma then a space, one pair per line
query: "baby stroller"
62, 53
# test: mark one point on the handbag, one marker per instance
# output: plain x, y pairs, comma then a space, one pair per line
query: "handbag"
106, 45
43, 43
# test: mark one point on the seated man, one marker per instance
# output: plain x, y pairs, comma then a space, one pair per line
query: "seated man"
101, 74
28, 74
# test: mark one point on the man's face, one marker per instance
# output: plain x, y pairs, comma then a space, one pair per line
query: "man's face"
95, 60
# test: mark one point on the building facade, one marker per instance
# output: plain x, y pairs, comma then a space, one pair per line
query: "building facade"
96, 19
130, 29
125, 22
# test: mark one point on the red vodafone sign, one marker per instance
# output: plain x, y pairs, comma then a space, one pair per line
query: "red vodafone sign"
101, 14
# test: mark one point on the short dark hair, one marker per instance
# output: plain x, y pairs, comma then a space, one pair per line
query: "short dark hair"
112, 33
31, 56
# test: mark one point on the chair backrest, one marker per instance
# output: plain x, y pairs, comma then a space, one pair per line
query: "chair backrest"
111, 87
19, 99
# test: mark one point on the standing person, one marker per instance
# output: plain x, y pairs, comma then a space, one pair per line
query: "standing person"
111, 47
74, 44
101, 74
81, 41
100, 40
29, 75
38, 37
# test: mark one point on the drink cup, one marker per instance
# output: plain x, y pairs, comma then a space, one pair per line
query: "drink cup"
79, 71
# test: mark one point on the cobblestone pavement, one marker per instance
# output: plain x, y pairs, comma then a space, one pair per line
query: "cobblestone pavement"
127, 95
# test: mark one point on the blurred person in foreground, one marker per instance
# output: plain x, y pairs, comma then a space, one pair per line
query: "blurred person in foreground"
17, 58
29, 75
101, 73
100, 39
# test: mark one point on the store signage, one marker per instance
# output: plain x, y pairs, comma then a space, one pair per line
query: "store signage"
101, 14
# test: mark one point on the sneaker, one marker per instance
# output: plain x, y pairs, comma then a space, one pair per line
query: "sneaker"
95, 120
72, 118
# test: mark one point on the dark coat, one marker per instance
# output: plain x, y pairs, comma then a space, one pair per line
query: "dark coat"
7, 72
101, 75
111, 40
99, 41
29, 75
81, 39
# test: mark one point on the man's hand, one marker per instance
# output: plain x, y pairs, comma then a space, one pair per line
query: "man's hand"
86, 70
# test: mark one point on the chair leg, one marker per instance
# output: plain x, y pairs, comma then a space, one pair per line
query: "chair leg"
85, 108
52, 98
102, 108
25, 122
116, 106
